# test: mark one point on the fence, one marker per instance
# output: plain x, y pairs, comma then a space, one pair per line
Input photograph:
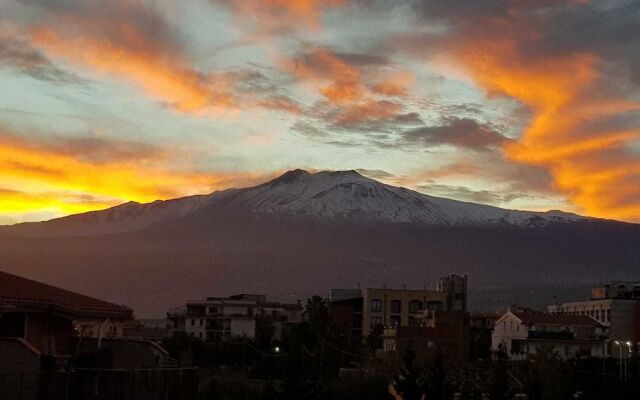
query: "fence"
102, 384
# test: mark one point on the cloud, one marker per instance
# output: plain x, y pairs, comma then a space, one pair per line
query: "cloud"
476, 196
19, 55
457, 132
78, 175
264, 18
132, 41
572, 64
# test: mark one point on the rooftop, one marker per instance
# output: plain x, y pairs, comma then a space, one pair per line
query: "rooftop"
539, 318
21, 293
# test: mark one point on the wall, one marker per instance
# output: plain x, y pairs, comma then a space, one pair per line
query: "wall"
49, 334
18, 357
243, 327
388, 295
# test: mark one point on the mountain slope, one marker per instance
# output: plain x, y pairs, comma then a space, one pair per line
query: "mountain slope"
341, 195
302, 234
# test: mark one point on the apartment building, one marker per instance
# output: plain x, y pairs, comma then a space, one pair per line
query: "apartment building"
445, 333
222, 318
358, 311
616, 307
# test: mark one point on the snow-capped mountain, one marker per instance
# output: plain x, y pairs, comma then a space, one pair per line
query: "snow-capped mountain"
349, 195
304, 233
343, 195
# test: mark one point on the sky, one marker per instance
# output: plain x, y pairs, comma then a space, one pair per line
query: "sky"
529, 104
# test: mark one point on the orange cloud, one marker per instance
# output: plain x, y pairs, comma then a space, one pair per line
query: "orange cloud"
35, 178
559, 92
337, 80
163, 76
395, 85
269, 17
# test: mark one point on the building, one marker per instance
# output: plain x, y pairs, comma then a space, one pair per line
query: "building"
455, 288
222, 318
521, 334
358, 311
445, 333
616, 307
481, 325
45, 320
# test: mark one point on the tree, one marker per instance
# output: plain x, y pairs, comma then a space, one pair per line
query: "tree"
405, 386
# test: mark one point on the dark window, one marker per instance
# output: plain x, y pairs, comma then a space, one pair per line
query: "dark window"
396, 306
415, 306
394, 321
375, 321
201, 322
193, 321
434, 305
250, 312
376, 305
413, 322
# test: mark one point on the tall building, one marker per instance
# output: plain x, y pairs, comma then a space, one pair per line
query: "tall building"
455, 287
222, 318
358, 311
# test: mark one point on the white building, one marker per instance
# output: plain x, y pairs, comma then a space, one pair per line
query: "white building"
521, 334
218, 318
617, 308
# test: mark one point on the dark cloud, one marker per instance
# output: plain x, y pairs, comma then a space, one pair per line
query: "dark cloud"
376, 173
89, 148
19, 55
363, 59
457, 132
476, 196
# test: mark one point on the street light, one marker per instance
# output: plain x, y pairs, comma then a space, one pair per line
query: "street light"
623, 364
277, 349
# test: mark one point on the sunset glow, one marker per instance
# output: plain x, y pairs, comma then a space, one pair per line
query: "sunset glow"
537, 103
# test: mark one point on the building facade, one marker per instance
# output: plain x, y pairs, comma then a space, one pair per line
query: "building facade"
359, 311
616, 307
223, 318
521, 334
444, 333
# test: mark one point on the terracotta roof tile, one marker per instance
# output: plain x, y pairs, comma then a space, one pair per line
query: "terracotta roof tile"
18, 291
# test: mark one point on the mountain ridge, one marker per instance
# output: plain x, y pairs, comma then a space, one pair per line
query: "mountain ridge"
300, 194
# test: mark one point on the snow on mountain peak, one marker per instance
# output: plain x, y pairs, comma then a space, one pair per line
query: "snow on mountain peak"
338, 195
349, 195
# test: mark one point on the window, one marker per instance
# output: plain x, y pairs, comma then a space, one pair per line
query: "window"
608, 318
396, 306
415, 306
434, 305
375, 321
394, 321
201, 322
376, 305
598, 314
413, 322
250, 312
193, 321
